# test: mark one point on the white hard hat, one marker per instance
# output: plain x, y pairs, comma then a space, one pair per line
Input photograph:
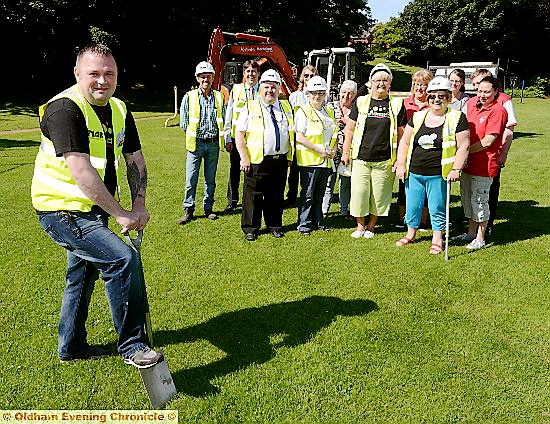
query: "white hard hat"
316, 83
380, 67
271, 75
204, 68
439, 83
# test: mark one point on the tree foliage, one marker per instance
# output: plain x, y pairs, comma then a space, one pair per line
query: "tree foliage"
388, 41
454, 30
159, 45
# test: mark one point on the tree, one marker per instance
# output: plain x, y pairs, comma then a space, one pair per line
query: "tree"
454, 31
159, 45
388, 42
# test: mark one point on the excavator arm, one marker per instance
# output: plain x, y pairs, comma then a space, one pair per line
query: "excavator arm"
251, 46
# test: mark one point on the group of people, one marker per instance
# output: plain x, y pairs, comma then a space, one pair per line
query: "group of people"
436, 136
265, 136
452, 137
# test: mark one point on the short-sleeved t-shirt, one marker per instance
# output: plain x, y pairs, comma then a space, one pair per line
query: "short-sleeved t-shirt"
375, 144
485, 120
428, 147
459, 103
64, 124
506, 101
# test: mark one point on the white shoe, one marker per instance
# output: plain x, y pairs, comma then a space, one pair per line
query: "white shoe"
357, 234
475, 244
368, 234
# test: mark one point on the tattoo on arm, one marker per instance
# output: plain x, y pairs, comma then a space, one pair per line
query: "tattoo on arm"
137, 180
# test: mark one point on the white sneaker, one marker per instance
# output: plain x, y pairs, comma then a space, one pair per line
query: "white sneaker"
368, 234
357, 234
144, 358
475, 244
463, 237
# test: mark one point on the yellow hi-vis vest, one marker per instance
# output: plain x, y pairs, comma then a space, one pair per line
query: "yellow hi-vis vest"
53, 187
238, 95
448, 153
314, 134
363, 104
195, 115
254, 136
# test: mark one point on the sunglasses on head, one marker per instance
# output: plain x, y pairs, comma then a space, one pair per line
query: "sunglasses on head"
439, 96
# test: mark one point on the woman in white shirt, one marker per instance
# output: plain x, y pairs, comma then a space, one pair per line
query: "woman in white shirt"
316, 131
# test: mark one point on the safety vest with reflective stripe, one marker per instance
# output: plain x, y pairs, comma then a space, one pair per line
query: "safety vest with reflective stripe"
254, 136
195, 116
314, 134
53, 187
448, 137
238, 96
363, 105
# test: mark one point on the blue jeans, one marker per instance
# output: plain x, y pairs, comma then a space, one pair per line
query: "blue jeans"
417, 188
344, 193
210, 153
92, 248
313, 182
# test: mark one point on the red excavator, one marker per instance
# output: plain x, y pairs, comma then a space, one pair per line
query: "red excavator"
224, 55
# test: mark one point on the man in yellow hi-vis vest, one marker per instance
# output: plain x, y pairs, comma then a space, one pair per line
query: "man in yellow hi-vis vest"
238, 100
265, 141
201, 117
85, 134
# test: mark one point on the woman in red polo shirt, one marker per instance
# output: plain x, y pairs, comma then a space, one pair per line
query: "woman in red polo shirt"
487, 119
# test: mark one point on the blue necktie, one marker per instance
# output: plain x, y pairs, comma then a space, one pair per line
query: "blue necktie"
277, 133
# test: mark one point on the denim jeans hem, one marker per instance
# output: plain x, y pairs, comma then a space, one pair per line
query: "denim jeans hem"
136, 348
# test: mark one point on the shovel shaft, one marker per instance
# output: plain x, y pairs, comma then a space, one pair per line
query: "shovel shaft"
148, 327
135, 243
447, 218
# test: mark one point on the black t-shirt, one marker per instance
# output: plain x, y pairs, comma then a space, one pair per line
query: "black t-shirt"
375, 145
64, 124
428, 147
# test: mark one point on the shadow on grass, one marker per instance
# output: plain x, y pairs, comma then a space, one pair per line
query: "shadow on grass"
9, 144
19, 107
518, 221
246, 336
519, 134
141, 100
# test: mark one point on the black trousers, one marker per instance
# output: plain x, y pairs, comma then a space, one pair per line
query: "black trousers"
293, 180
493, 197
234, 176
263, 193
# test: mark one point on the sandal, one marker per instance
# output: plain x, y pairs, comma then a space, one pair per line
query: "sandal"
404, 241
436, 249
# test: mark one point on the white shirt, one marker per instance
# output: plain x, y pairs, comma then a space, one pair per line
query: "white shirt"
302, 122
269, 129
251, 92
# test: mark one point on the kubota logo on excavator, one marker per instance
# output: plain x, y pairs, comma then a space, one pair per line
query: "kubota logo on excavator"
257, 49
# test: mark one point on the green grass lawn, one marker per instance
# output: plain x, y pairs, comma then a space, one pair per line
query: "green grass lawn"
321, 328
